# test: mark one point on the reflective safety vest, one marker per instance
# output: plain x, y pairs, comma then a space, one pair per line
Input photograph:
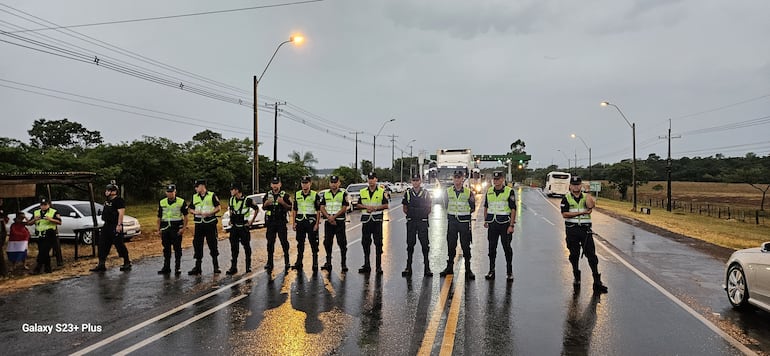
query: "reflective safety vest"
497, 205
305, 205
333, 203
458, 206
44, 225
204, 205
275, 205
238, 211
578, 206
371, 200
171, 213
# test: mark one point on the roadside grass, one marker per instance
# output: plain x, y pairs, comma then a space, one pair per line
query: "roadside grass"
726, 233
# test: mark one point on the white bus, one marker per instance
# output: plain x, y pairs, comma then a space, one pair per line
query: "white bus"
556, 184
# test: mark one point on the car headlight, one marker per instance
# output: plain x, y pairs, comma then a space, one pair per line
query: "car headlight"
129, 223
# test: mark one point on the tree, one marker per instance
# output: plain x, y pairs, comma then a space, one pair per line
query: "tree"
63, 134
755, 177
347, 175
366, 166
307, 159
620, 174
517, 147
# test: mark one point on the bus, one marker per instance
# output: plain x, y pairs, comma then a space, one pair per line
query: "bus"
556, 184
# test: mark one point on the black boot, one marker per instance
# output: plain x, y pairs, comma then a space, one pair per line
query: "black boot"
491, 274
248, 262
379, 263
178, 266
448, 270
427, 272
286, 264
215, 263
343, 265
366, 268
576, 281
269, 264
468, 273
233, 270
315, 262
509, 269
196, 271
328, 265
166, 266
408, 270
599, 287
99, 268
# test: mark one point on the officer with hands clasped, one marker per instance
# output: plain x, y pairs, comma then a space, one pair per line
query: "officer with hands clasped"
305, 219
460, 203
204, 207
334, 205
240, 208
45, 220
500, 218
576, 209
372, 201
417, 206
172, 222
277, 204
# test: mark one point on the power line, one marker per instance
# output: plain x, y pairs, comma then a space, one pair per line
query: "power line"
172, 16
723, 107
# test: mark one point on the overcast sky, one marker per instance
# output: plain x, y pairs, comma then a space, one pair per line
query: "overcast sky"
454, 74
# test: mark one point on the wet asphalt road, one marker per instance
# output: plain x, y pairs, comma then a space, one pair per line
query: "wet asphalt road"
336, 313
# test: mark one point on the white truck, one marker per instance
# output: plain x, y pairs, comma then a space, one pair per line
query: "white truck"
450, 160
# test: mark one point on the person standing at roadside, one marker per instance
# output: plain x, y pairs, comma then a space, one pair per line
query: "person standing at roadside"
500, 219
3, 235
112, 231
240, 208
277, 204
334, 205
172, 223
417, 206
45, 219
372, 201
576, 209
460, 204
204, 207
305, 220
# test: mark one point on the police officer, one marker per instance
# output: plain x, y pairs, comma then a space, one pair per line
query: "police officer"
334, 205
500, 218
172, 222
417, 205
45, 220
277, 204
239, 207
305, 220
112, 231
372, 201
460, 203
576, 209
204, 207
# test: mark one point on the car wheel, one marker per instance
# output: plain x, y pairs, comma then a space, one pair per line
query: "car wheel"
86, 237
737, 289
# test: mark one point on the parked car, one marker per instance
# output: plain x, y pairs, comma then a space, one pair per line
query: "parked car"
747, 277
400, 187
77, 221
259, 221
354, 191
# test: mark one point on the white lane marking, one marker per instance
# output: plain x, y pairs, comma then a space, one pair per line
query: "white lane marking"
735, 343
181, 325
548, 221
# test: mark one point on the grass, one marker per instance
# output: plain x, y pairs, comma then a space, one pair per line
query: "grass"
721, 232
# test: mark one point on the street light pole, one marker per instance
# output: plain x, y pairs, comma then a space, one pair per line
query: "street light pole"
255, 163
589, 154
569, 166
410, 158
355, 163
374, 143
633, 140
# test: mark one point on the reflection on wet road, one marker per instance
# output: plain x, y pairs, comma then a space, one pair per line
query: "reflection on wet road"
321, 313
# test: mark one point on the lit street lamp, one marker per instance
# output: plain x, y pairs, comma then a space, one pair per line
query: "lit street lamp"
296, 39
374, 144
633, 138
589, 154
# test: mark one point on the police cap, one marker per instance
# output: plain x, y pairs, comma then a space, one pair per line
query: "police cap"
458, 174
305, 179
170, 188
275, 180
575, 180
371, 175
236, 186
334, 179
199, 182
497, 174
416, 177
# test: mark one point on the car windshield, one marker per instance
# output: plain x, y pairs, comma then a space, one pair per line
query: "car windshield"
256, 199
85, 208
356, 187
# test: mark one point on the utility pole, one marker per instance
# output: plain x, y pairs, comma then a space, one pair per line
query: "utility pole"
355, 163
275, 138
392, 150
668, 165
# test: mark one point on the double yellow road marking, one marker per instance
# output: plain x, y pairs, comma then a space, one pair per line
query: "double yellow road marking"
448, 339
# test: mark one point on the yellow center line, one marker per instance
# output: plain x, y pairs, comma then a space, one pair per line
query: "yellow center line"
448, 342
435, 319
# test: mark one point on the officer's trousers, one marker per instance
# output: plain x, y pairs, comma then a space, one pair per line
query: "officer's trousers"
338, 230
500, 231
240, 235
371, 231
44, 244
305, 230
170, 238
463, 229
208, 232
277, 230
417, 229
578, 237
110, 237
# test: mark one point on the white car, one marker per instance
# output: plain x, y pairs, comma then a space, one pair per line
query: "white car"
77, 222
257, 199
354, 192
747, 277
400, 187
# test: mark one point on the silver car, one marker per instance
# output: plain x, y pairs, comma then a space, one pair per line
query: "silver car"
747, 277
354, 192
259, 221
76, 221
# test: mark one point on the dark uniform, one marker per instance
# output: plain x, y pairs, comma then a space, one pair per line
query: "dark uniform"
371, 227
306, 221
417, 206
204, 208
500, 215
460, 204
172, 220
579, 234
275, 221
112, 231
334, 205
239, 232
46, 233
